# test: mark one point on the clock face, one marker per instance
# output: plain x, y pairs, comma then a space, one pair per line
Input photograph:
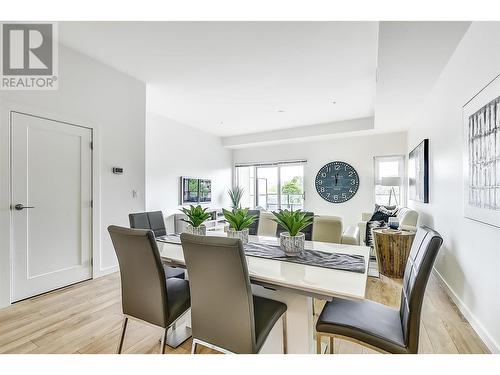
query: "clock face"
337, 182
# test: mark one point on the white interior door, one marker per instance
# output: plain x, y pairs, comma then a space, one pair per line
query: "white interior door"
51, 204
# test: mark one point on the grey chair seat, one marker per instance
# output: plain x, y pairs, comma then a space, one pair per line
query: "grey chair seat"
178, 297
366, 321
266, 314
171, 272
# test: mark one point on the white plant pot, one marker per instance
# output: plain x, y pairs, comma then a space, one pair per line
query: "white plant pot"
199, 231
292, 245
241, 234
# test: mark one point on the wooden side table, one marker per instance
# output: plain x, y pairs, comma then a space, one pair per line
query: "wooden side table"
393, 249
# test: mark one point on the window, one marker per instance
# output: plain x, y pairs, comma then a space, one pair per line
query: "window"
272, 186
389, 180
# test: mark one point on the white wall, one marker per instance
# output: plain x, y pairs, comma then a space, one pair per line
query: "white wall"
469, 261
94, 95
174, 150
357, 151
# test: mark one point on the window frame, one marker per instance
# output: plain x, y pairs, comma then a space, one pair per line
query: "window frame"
402, 171
278, 165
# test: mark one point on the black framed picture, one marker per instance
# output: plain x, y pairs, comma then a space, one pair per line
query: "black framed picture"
418, 172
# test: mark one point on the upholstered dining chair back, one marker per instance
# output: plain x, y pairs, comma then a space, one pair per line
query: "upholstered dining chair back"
148, 220
423, 252
254, 227
327, 229
143, 282
156, 223
267, 227
139, 220
222, 311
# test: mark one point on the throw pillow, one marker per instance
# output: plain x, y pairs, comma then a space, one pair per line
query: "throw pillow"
379, 219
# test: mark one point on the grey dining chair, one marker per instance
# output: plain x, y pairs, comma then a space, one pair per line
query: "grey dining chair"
225, 316
149, 220
378, 326
147, 294
154, 220
254, 227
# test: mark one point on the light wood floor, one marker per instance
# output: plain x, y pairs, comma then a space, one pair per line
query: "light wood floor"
86, 318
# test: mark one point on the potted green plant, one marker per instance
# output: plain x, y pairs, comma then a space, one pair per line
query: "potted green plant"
196, 216
292, 241
235, 195
239, 220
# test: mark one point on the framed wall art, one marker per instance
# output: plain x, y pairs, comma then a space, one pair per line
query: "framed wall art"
418, 173
481, 154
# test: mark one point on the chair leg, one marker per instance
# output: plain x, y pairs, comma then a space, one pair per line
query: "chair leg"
331, 345
285, 334
318, 343
122, 336
193, 347
163, 342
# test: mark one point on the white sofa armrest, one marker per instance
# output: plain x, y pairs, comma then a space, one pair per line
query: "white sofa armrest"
351, 236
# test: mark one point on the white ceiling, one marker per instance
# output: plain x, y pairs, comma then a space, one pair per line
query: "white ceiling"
241, 74
411, 57
251, 80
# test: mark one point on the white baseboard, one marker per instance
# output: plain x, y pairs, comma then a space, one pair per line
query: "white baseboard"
105, 271
492, 345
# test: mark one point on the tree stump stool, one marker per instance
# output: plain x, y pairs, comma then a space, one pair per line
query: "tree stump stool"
393, 249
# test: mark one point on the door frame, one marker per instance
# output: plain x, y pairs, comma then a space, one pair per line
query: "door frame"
6, 237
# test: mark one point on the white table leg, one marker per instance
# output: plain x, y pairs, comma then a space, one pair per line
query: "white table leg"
299, 322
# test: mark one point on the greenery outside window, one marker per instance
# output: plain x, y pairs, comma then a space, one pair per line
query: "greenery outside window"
272, 186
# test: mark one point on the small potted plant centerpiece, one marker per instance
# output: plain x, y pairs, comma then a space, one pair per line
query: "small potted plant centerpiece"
292, 241
239, 220
196, 216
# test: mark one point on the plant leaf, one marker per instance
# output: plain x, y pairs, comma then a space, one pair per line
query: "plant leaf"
292, 221
239, 218
196, 215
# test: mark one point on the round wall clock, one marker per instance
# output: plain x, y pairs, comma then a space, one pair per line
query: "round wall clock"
337, 182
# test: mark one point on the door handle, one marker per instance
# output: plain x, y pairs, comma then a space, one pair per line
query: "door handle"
20, 207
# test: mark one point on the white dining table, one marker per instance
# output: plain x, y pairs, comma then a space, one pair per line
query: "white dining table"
293, 284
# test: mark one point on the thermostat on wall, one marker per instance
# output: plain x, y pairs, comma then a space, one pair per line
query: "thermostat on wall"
117, 170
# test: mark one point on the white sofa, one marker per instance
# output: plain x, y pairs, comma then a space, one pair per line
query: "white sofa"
407, 221
325, 229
